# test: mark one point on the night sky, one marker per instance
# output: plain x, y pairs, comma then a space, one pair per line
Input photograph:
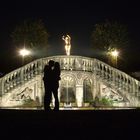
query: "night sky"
76, 18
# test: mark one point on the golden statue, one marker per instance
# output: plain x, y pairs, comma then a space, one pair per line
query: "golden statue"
67, 40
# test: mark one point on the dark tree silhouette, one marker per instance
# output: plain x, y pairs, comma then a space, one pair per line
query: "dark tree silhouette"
32, 34
109, 36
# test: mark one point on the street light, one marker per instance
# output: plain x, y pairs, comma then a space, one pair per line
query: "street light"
115, 55
24, 52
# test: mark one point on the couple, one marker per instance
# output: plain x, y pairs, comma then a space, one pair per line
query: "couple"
51, 83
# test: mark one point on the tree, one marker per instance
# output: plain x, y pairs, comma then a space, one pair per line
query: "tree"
31, 34
109, 36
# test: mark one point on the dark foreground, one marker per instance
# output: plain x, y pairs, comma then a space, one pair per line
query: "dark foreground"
91, 124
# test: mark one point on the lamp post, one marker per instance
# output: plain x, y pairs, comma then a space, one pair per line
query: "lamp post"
24, 52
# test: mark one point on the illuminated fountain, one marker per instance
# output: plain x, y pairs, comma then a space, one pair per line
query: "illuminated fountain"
85, 83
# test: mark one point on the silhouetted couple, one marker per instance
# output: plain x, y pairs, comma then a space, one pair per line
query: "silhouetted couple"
51, 83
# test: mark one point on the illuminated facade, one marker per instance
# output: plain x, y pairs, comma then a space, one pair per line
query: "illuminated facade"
85, 83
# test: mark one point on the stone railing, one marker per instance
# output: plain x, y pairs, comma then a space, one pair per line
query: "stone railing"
116, 78
19, 76
72, 62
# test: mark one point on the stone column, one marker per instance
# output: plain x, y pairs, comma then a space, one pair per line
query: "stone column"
40, 90
79, 95
94, 90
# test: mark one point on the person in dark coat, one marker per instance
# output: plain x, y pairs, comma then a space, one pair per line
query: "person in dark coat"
48, 84
56, 78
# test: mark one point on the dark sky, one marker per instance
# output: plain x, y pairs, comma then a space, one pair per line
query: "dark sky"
76, 18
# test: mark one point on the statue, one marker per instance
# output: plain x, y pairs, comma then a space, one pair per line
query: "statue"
67, 40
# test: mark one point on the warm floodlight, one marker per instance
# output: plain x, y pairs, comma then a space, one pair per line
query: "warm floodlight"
115, 53
114, 56
24, 52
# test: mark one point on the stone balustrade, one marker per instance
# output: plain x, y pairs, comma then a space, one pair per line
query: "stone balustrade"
17, 77
116, 78
119, 79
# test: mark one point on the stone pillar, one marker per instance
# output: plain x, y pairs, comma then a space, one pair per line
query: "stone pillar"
40, 90
79, 95
94, 90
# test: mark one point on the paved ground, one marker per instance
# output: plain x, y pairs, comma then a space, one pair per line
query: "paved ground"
67, 124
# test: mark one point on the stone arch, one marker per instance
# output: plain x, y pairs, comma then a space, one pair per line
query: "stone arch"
87, 90
67, 89
71, 74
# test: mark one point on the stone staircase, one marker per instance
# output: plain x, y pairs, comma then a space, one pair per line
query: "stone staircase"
31, 76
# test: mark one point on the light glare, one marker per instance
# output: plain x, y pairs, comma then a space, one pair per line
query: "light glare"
24, 52
115, 53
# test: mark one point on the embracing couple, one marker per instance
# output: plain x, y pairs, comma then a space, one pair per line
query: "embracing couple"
51, 83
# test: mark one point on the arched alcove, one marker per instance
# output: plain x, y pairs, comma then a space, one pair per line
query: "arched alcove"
67, 90
87, 90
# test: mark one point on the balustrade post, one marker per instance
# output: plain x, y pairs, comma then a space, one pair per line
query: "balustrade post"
94, 65
124, 86
130, 85
22, 75
134, 89
102, 71
41, 66
106, 73
115, 78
